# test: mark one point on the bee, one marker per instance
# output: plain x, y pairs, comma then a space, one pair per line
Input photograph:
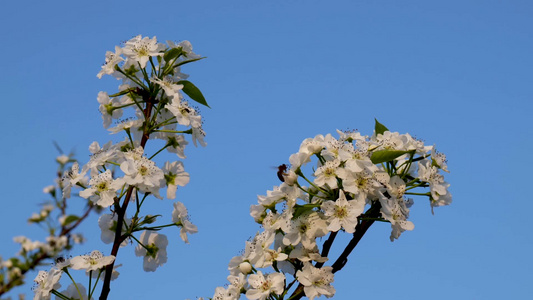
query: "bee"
60, 260
281, 171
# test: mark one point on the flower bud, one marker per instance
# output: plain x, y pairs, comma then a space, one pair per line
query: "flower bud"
62, 220
290, 178
245, 267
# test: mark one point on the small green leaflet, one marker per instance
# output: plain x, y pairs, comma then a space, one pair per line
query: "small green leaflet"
380, 128
187, 61
124, 92
381, 156
301, 209
192, 91
172, 53
70, 219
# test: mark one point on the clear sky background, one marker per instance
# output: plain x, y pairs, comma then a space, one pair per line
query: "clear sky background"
457, 74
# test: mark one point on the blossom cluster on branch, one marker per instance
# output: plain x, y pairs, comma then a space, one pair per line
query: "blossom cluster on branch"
355, 181
57, 220
152, 93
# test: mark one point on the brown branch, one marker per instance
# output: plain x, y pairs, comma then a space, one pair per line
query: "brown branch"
121, 211
341, 261
66, 231
40, 257
19, 279
326, 247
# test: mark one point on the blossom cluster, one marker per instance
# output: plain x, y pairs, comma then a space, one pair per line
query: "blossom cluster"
47, 282
57, 221
356, 180
152, 95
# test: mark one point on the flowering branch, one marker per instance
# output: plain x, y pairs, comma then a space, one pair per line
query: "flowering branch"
352, 173
154, 90
34, 253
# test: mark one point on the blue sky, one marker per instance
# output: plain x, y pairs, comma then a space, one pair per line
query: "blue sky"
454, 73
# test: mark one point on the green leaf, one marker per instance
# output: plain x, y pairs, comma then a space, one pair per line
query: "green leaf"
301, 209
187, 61
380, 128
70, 219
172, 53
192, 91
124, 92
131, 71
149, 219
381, 156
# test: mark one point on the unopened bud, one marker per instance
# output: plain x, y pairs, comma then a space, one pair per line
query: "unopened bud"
290, 178
245, 267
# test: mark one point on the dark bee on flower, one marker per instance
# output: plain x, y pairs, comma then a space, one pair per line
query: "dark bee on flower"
281, 171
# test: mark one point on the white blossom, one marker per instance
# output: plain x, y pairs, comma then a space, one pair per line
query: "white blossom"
153, 249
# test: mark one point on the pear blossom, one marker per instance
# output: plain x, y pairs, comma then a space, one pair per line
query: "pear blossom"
54, 244
140, 49
170, 87
27, 244
181, 218
142, 173
92, 262
111, 60
343, 213
350, 135
439, 159
153, 249
307, 254
71, 178
132, 125
396, 187
224, 294
103, 189
174, 175
238, 283
272, 221
198, 135
185, 47
114, 274
108, 225
177, 145
390, 140
299, 159
336, 149
305, 228
72, 292
363, 183
316, 281
100, 155
262, 287
327, 174
257, 250
184, 113
396, 211
45, 283
108, 108
235, 263
438, 187
273, 255
258, 212
312, 145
